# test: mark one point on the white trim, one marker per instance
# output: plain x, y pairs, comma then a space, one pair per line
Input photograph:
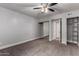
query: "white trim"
64, 42
10, 45
72, 41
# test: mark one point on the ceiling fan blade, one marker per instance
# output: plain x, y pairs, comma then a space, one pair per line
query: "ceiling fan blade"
37, 8
51, 10
52, 4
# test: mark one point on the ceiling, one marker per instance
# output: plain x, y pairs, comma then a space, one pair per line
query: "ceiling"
27, 8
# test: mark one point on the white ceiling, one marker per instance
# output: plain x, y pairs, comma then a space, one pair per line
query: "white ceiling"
27, 8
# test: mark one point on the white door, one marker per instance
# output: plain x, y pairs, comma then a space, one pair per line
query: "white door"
56, 30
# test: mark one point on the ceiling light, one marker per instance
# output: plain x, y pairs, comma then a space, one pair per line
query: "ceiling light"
42, 9
46, 10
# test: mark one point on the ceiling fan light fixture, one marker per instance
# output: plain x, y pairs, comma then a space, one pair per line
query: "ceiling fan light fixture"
45, 7
46, 10
42, 9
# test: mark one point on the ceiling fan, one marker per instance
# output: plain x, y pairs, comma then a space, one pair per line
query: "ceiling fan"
45, 7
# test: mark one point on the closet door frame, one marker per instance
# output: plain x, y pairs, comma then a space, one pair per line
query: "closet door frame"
46, 28
60, 20
77, 29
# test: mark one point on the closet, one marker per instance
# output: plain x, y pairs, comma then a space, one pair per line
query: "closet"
73, 29
45, 28
41, 29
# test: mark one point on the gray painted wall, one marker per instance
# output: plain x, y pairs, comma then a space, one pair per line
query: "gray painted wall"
16, 27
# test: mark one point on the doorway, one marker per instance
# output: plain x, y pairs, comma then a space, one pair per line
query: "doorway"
44, 29
73, 29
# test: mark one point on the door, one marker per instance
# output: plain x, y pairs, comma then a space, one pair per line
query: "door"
56, 29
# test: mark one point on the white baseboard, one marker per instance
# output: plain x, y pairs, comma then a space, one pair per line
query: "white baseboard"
72, 41
21, 42
64, 42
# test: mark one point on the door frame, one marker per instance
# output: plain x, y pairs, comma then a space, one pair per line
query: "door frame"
67, 27
60, 19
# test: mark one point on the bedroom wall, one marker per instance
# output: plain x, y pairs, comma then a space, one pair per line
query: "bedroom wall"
16, 27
